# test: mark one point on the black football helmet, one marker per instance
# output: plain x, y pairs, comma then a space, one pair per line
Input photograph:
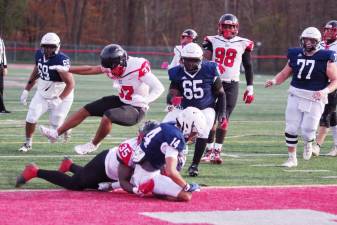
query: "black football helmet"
330, 31
146, 128
113, 56
228, 26
190, 33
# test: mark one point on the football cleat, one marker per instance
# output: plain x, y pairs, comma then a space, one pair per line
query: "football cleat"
28, 173
315, 150
216, 159
86, 148
25, 148
51, 134
291, 162
65, 165
333, 152
193, 170
207, 156
307, 152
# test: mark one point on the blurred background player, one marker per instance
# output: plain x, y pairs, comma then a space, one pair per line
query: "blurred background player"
229, 50
311, 69
328, 119
137, 87
55, 88
197, 83
111, 165
188, 36
3, 73
160, 147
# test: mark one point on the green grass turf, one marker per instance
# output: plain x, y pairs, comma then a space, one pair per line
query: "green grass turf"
254, 147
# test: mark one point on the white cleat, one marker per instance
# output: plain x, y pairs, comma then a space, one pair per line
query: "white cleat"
51, 134
316, 150
86, 148
291, 162
307, 152
333, 152
25, 148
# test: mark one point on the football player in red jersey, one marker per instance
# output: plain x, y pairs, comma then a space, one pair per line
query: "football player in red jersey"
137, 87
329, 118
112, 166
229, 50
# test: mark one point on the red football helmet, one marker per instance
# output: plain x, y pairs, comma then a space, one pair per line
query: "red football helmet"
330, 31
228, 26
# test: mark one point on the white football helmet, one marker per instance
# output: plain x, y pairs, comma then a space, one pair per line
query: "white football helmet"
311, 33
192, 50
51, 39
191, 120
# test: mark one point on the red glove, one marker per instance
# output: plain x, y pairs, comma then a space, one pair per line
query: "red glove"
176, 100
223, 123
248, 96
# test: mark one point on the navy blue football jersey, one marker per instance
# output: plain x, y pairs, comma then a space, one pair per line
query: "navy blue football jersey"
309, 72
166, 133
196, 90
43, 65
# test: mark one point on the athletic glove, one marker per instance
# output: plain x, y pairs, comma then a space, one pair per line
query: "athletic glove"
24, 97
223, 122
248, 96
192, 187
144, 188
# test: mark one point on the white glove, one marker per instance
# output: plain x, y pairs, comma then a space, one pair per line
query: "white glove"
59, 68
23, 97
53, 103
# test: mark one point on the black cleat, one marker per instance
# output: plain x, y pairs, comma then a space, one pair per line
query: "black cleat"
193, 170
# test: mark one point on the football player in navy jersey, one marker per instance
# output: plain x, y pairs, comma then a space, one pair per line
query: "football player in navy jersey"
55, 88
229, 50
311, 69
199, 85
110, 169
160, 147
329, 117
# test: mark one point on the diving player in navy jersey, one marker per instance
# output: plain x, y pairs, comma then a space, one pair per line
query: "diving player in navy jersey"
55, 88
311, 69
160, 147
199, 85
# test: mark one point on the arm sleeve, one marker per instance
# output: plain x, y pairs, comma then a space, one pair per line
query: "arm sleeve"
247, 64
176, 58
156, 87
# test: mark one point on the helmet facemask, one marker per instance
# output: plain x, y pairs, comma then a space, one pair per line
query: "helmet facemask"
48, 50
309, 44
191, 65
228, 30
114, 61
329, 34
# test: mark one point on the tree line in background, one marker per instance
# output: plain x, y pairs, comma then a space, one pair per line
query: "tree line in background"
275, 24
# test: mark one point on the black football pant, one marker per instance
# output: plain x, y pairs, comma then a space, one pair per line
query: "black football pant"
86, 177
2, 106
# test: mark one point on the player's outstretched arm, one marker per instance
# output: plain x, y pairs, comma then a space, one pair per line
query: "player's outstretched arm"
280, 77
70, 83
86, 70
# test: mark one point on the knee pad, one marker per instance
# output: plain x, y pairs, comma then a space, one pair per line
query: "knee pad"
33, 115
308, 133
291, 140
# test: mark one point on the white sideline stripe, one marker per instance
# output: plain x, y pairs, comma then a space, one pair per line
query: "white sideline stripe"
329, 177
208, 187
306, 171
79, 156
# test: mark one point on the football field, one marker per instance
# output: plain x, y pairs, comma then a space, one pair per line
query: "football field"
253, 150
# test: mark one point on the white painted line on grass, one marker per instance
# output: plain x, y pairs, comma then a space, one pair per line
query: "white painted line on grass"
306, 171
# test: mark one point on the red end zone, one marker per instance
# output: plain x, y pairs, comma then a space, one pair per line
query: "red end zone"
69, 207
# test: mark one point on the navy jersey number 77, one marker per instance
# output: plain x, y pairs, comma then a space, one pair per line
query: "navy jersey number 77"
309, 72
